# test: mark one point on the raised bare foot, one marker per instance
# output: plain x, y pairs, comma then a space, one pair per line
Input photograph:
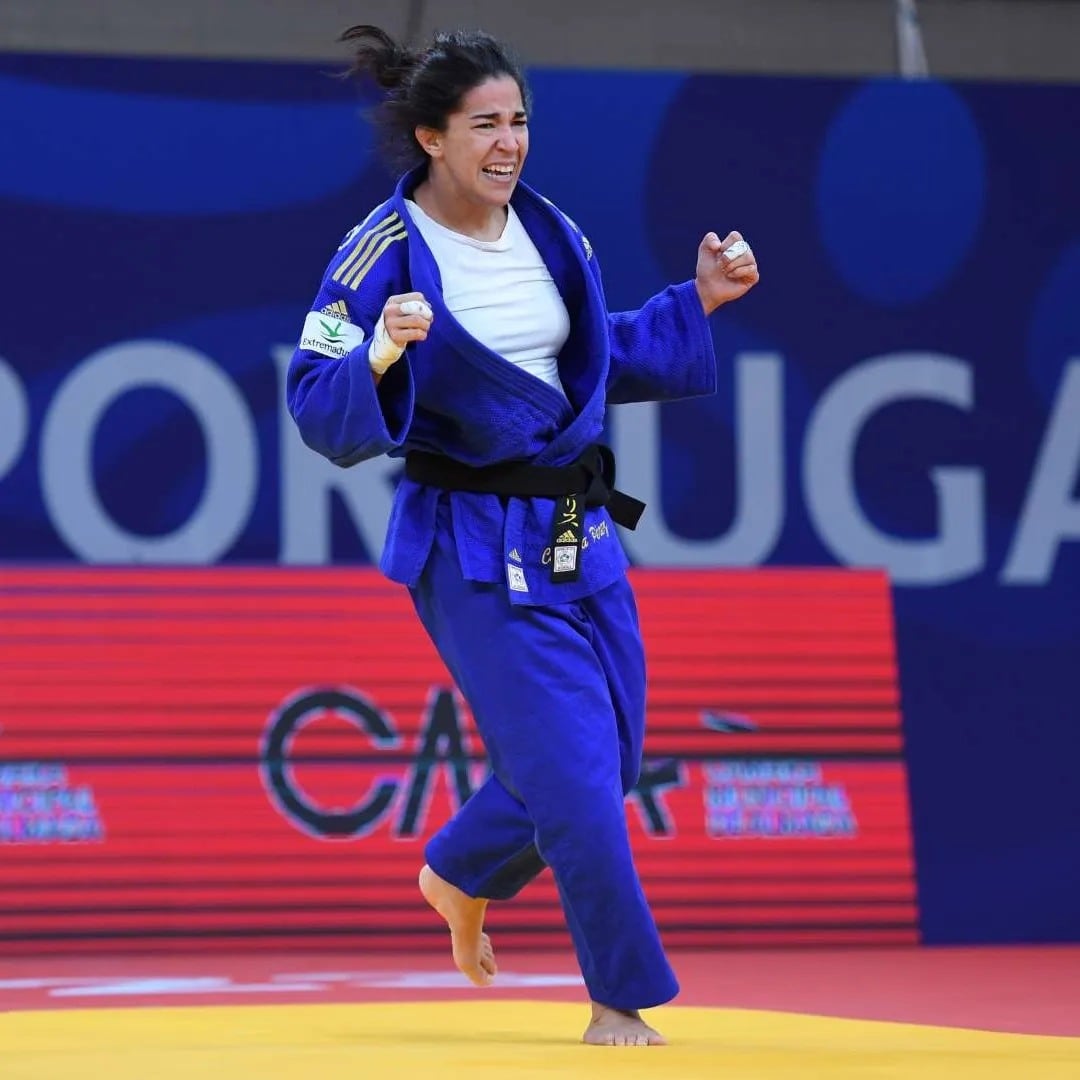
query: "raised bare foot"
619, 1027
464, 914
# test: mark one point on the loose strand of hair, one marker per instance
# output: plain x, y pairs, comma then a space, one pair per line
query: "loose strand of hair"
378, 56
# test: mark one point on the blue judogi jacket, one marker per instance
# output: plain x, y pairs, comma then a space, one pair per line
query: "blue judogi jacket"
452, 395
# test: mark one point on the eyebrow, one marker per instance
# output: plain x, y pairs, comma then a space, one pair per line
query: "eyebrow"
494, 115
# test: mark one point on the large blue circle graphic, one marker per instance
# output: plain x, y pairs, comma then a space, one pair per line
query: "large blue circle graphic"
901, 190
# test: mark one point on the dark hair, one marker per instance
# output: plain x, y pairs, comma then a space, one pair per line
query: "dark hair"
423, 87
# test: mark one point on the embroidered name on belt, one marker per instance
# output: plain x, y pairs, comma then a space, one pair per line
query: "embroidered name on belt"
567, 533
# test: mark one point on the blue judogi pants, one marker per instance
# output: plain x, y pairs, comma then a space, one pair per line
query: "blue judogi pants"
558, 695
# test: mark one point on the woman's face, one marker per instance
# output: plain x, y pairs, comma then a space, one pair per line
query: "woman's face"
483, 149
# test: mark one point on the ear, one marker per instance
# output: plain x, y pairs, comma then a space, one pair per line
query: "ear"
430, 141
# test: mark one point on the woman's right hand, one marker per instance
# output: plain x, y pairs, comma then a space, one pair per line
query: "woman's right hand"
404, 318
407, 318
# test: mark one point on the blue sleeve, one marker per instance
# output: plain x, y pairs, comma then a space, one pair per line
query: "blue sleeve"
330, 391
662, 351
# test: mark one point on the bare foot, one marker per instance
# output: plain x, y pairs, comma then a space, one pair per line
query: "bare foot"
464, 914
619, 1027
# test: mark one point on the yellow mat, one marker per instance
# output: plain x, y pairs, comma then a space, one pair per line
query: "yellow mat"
504, 1039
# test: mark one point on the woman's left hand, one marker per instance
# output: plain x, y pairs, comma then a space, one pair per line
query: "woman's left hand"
721, 279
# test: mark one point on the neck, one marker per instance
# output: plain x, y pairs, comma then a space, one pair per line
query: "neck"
481, 221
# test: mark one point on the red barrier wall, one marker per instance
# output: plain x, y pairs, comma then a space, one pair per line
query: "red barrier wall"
247, 756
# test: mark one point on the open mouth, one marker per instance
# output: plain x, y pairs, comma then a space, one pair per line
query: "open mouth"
498, 172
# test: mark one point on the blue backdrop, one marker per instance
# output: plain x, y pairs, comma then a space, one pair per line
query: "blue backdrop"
902, 389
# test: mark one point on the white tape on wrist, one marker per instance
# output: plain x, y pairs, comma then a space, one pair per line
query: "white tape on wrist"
382, 352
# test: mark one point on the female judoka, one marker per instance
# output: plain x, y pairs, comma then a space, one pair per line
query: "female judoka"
462, 325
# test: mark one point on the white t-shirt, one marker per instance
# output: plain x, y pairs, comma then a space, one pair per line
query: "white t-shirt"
501, 293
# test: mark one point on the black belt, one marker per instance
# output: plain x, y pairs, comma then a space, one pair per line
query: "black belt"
590, 480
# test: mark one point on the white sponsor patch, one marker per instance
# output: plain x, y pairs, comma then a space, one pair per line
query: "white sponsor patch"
565, 559
516, 577
329, 336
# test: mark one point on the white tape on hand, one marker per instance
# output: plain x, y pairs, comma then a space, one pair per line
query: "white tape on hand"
740, 247
415, 307
382, 352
